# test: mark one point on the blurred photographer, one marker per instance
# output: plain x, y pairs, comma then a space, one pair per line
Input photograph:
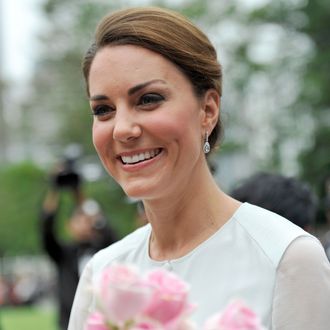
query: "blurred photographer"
87, 226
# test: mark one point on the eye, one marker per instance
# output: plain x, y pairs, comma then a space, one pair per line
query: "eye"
150, 99
102, 111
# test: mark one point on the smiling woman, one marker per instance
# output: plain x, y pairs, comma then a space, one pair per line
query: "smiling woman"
154, 85
146, 122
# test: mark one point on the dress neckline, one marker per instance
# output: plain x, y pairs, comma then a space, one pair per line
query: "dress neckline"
164, 263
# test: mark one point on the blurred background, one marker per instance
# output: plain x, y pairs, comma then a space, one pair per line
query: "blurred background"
275, 109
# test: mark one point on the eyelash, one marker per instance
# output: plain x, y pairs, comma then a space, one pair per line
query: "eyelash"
152, 98
102, 110
146, 101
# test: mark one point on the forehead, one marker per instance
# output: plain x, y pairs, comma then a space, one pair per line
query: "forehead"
122, 53
130, 63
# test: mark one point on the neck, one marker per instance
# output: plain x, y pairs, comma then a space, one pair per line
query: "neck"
184, 220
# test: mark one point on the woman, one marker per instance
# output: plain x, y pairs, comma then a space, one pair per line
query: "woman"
154, 86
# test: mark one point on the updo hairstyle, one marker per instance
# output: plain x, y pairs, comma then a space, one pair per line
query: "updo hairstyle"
169, 34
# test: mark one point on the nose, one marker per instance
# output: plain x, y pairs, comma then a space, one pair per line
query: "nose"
126, 127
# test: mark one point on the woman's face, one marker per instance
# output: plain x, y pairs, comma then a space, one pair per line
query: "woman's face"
147, 125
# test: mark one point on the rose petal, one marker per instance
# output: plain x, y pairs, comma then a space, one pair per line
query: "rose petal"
122, 294
96, 322
169, 299
236, 316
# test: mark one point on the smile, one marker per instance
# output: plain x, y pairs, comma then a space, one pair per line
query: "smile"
140, 157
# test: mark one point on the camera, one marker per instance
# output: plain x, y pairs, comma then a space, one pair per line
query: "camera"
67, 177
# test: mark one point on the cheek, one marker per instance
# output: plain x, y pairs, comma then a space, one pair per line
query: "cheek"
166, 128
176, 126
102, 140
100, 136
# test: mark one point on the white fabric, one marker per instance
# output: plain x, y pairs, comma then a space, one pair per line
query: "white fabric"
274, 266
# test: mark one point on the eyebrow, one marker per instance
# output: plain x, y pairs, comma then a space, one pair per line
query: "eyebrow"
143, 85
130, 92
98, 98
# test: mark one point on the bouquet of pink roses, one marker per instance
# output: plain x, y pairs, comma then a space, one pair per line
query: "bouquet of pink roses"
126, 300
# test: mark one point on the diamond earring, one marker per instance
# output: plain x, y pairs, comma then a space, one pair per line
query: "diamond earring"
206, 147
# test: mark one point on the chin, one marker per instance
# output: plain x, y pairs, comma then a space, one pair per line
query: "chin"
139, 191
148, 186
136, 194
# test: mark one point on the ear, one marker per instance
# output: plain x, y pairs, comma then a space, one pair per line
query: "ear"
210, 110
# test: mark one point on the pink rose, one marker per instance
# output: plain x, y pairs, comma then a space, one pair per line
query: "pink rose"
122, 294
96, 321
168, 304
236, 316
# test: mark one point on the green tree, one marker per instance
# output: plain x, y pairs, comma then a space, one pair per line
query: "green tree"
315, 159
19, 204
23, 187
60, 101
310, 110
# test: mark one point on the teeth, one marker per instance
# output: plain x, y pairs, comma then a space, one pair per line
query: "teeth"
140, 157
135, 158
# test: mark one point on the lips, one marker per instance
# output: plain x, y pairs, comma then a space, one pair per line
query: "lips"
140, 156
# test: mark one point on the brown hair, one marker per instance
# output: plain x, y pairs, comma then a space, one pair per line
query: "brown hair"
168, 34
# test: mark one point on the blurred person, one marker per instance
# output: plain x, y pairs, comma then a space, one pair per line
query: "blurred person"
326, 208
26, 289
154, 86
326, 238
286, 196
87, 226
3, 291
